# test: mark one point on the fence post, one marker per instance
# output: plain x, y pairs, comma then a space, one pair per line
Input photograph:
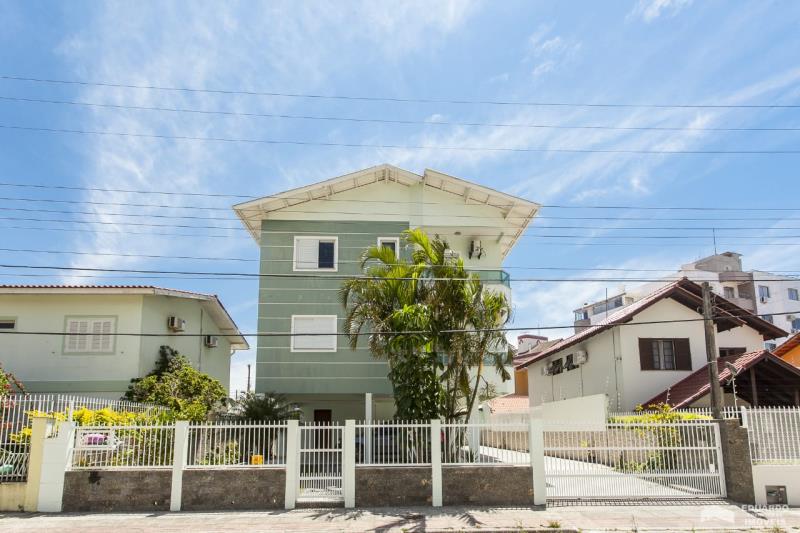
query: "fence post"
40, 429
436, 463
349, 464
536, 451
292, 460
180, 448
56, 457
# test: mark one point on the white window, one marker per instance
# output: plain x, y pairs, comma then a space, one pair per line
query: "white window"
8, 324
393, 243
322, 329
316, 253
90, 335
728, 292
763, 292
793, 294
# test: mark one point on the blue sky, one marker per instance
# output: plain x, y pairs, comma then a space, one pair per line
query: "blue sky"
634, 51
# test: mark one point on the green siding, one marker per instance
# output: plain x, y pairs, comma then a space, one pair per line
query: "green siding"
294, 373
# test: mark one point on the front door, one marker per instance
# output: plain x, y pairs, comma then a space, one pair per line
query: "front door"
323, 415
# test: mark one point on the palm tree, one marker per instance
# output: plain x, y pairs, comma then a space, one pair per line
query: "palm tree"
432, 321
270, 406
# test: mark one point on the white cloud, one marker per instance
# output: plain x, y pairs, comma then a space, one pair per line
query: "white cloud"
649, 10
549, 52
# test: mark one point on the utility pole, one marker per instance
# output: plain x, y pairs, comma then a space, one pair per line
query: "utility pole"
248, 378
711, 353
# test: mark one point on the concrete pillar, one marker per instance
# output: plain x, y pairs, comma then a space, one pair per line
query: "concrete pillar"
436, 463
180, 449
292, 463
736, 462
349, 464
56, 457
40, 429
536, 452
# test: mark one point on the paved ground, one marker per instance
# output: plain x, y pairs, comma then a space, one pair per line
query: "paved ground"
572, 517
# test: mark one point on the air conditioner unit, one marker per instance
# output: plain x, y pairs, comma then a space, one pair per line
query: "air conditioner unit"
475, 249
790, 318
210, 341
547, 370
581, 357
175, 323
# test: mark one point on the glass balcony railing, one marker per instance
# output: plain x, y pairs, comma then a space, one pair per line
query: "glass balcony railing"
500, 277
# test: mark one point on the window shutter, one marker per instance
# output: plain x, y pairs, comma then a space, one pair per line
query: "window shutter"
326, 259
306, 253
72, 340
105, 343
646, 354
314, 324
683, 355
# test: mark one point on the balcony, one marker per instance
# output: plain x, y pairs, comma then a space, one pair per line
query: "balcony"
495, 277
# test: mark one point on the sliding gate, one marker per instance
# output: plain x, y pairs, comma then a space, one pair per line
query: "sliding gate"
634, 461
320, 464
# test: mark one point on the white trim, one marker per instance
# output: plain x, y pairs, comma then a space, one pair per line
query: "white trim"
335, 337
395, 240
318, 238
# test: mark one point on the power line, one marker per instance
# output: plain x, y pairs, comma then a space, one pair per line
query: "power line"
368, 333
273, 232
550, 243
383, 120
336, 276
325, 199
394, 99
396, 146
272, 260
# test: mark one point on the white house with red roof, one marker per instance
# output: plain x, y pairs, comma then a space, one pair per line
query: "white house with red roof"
94, 339
642, 349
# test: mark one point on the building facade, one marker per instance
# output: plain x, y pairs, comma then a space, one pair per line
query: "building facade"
313, 237
106, 349
774, 297
641, 349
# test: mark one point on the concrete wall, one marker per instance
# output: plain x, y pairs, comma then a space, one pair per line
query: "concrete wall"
780, 475
487, 485
117, 491
233, 489
12, 496
39, 361
393, 486
212, 361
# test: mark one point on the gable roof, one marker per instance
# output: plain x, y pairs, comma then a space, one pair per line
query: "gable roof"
787, 346
684, 292
696, 385
210, 302
518, 212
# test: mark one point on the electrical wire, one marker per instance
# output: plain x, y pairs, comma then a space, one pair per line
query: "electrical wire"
54, 81
383, 120
297, 142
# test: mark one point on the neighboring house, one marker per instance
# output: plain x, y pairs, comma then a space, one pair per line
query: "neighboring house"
789, 351
774, 297
109, 351
312, 237
758, 378
642, 349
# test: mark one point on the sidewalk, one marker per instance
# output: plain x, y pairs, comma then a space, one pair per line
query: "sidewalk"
611, 517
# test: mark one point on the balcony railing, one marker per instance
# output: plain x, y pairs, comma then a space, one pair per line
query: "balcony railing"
495, 277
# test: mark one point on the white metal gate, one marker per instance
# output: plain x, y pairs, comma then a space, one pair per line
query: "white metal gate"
320, 464
634, 461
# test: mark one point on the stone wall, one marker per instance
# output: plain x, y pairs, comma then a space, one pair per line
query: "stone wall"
233, 489
487, 485
117, 490
393, 486
736, 458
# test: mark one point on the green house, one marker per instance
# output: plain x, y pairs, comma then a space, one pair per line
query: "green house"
312, 236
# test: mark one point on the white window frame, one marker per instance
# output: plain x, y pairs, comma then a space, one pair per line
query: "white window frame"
87, 350
9, 319
792, 291
333, 318
395, 240
316, 238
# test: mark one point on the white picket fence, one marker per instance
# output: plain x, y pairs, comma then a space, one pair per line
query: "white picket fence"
229, 444
774, 435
